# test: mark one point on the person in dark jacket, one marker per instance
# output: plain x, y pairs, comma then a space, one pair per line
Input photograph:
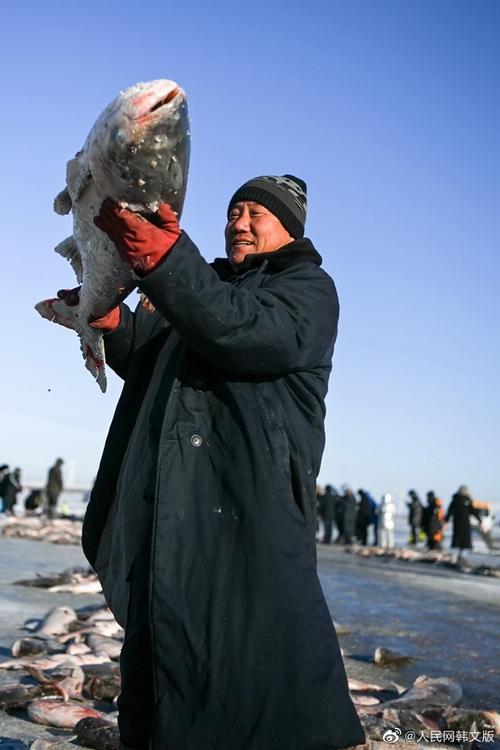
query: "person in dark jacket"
201, 523
54, 487
433, 521
328, 501
11, 488
348, 516
460, 510
415, 509
4, 470
374, 516
33, 502
427, 512
364, 517
339, 519
435, 524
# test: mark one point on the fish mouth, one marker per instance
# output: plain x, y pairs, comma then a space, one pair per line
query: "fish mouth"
147, 105
165, 99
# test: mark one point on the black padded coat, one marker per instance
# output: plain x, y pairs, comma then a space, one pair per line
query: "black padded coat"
220, 425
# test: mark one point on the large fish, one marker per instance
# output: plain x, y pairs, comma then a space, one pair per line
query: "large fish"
137, 153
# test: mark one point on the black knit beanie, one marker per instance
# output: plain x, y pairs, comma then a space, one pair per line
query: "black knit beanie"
285, 196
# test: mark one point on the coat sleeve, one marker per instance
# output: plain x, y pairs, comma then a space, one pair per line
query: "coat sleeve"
119, 344
288, 325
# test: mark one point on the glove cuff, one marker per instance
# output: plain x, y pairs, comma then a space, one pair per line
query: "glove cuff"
108, 322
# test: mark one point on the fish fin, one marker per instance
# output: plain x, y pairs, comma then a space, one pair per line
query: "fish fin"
69, 250
92, 345
78, 175
58, 311
63, 202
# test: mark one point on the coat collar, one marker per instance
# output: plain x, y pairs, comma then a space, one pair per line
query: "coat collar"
298, 250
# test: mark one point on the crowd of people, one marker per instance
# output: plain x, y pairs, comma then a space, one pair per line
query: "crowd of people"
358, 517
346, 517
43, 500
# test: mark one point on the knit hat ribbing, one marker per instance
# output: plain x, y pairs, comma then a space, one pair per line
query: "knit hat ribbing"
285, 196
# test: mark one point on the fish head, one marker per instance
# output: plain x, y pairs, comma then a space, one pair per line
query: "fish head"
138, 149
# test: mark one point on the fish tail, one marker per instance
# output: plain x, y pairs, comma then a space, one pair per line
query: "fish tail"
92, 345
57, 311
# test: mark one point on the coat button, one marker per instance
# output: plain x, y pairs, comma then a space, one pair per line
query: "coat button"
196, 441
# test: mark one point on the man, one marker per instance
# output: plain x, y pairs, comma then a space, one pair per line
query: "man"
328, 501
54, 487
364, 517
460, 510
11, 487
201, 523
4, 471
415, 509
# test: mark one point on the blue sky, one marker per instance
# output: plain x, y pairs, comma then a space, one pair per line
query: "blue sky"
388, 109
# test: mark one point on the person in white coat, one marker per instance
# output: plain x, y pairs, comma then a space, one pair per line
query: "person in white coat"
386, 512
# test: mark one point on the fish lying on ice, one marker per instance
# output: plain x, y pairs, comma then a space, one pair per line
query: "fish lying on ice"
109, 628
93, 681
384, 657
137, 153
89, 586
68, 682
358, 685
429, 691
102, 681
104, 645
426, 692
32, 646
60, 714
464, 719
18, 695
99, 734
56, 622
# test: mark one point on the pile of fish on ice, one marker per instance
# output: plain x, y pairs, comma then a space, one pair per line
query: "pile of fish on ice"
71, 663
434, 557
74, 580
70, 659
38, 528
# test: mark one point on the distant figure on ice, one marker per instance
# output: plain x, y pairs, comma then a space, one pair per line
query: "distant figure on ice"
11, 487
375, 517
386, 515
460, 510
364, 517
433, 521
4, 470
348, 517
327, 504
54, 487
415, 509
33, 502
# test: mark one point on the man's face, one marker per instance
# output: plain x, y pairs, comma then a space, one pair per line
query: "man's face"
252, 228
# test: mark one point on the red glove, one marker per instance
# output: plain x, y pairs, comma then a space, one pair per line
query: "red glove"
107, 323
140, 242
